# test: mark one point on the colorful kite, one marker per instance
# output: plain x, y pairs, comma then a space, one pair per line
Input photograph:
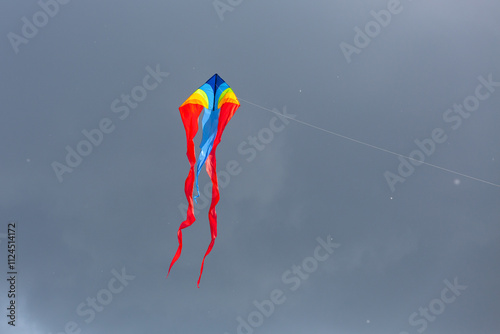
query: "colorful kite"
219, 103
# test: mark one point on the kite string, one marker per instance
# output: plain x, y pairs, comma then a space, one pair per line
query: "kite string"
370, 145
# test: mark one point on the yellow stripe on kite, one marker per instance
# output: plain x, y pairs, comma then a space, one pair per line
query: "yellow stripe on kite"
198, 97
227, 97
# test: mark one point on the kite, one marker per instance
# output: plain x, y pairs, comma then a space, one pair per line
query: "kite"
219, 104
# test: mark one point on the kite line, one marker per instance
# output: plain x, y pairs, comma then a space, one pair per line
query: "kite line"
370, 145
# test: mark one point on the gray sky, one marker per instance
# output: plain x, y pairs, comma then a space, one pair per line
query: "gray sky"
317, 232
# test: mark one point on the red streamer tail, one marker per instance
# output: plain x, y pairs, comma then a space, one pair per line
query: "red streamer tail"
189, 114
226, 112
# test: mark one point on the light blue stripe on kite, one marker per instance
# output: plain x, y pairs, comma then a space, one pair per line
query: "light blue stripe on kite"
209, 90
209, 122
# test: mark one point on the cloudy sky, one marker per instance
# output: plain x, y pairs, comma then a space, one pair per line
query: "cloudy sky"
371, 206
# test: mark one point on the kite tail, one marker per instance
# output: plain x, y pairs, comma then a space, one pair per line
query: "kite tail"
212, 214
226, 112
197, 188
190, 218
189, 114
